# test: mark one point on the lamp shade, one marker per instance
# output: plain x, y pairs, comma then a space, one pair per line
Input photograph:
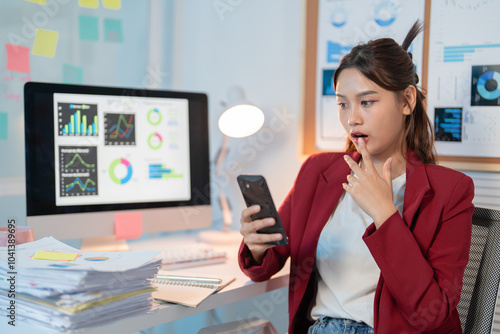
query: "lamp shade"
240, 121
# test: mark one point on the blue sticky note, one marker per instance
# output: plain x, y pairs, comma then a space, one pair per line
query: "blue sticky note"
89, 27
3, 125
72, 74
113, 30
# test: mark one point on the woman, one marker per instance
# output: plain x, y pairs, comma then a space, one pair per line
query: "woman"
379, 236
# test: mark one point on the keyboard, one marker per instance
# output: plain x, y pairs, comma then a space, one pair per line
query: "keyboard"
191, 255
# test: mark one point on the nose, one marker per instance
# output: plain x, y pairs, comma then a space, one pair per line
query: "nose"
354, 117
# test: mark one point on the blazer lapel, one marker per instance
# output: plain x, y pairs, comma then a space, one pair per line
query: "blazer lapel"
417, 185
326, 198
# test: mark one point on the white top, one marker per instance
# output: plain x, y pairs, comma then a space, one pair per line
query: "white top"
348, 274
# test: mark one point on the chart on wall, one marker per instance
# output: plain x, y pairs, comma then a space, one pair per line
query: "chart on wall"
341, 25
464, 77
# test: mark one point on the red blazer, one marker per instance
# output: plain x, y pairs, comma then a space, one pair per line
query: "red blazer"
421, 256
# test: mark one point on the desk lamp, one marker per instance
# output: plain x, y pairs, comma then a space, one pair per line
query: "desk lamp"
240, 119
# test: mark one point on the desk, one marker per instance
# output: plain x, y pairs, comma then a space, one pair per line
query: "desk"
242, 288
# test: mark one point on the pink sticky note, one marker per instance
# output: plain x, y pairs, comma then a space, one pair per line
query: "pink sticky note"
128, 225
18, 58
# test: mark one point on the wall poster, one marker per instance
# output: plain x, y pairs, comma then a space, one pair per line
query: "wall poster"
340, 26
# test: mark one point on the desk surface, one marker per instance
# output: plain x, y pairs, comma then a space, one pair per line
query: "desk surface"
241, 289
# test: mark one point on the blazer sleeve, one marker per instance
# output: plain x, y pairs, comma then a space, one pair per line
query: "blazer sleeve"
426, 283
275, 257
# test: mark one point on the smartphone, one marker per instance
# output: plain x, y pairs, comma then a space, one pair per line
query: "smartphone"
256, 192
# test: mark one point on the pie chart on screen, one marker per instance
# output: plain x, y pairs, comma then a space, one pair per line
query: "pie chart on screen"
120, 171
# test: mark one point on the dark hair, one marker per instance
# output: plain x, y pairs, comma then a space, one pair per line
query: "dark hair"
391, 67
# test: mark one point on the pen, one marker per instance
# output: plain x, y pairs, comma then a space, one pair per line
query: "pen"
173, 278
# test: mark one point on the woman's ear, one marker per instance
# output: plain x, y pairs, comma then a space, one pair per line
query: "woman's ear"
410, 96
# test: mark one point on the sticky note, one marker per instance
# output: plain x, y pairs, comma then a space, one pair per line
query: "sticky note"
3, 125
89, 27
18, 58
89, 3
112, 4
128, 225
45, 43
43, 2
54, 256
72, 74
113, 30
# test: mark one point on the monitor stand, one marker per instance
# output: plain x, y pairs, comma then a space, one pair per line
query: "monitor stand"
104, 244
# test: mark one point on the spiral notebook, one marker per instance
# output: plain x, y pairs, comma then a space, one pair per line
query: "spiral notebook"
188, 291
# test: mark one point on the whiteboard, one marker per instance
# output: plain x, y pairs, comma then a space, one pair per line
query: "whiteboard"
64, 41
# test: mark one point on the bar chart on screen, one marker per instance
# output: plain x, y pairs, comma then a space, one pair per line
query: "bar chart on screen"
77, 119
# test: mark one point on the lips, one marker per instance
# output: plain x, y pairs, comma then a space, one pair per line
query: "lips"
356, 136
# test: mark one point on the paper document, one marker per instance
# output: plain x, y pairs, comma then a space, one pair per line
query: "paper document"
98, 261
188, 291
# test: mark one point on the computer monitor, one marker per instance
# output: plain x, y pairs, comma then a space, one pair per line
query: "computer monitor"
93, 152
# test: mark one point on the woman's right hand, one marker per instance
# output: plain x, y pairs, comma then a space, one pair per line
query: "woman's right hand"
257, 242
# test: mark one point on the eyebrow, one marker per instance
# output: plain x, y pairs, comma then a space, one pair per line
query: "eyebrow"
366, 92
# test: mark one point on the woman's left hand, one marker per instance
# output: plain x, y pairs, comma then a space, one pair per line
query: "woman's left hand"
372, 192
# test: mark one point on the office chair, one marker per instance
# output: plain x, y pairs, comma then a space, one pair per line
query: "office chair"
242, 326
482, 273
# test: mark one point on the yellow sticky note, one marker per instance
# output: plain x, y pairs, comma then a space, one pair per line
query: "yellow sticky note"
54, 256
43, 2
45, 43
89, 3
112, 4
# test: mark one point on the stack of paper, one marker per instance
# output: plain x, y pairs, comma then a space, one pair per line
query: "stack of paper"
48, 283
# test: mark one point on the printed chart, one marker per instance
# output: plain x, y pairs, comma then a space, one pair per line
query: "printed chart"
464, 77
341, 25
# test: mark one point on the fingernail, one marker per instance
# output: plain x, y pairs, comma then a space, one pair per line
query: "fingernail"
345, 157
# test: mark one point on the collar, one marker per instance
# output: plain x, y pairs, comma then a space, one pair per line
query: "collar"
338, 170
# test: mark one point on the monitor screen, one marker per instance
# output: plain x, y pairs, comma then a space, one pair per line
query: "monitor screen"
94, 151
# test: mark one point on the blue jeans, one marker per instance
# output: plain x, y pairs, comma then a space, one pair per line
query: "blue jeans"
327, 325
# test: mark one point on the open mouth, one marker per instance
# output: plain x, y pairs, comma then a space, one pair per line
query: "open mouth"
356, 136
